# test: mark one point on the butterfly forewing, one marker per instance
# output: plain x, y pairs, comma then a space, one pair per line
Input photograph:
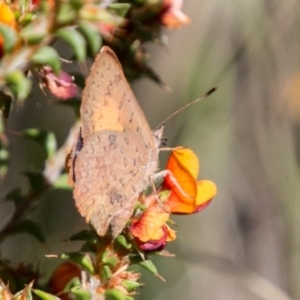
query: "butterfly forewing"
108, 101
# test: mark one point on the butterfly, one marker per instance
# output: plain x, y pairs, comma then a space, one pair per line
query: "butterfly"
116, 153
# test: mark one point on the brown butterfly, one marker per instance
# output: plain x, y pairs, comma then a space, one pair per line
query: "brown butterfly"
117, 153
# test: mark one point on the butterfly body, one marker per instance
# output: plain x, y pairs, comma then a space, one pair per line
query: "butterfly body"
119, 151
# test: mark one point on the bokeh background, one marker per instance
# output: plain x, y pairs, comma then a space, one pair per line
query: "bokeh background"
246, 244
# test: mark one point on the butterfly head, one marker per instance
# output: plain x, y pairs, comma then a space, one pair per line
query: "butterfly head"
158, 132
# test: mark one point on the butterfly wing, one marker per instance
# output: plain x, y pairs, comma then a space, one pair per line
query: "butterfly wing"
110, 174
108, 102
119, 151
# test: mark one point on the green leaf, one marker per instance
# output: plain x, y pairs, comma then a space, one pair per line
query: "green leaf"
89, 247
114, 294
4, 157
45, 138
66, 14
36, 180
9, 37
80, 294
73, 283
108, 259
121, 239
75, 41
91, 239
131, 285
120, 9
85, 235
82, 259
28, 226
139, 2
91, 35
147, 264
33, 33
164, 195
45, 296
47, 56
27, 18
62, 183
106, 273
76, 4
18, 84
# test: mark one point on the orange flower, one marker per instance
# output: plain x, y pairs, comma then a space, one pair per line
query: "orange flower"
173, 16
187, 195
150, 229
61, 276
7, 17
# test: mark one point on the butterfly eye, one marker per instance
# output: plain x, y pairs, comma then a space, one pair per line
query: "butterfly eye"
164, 141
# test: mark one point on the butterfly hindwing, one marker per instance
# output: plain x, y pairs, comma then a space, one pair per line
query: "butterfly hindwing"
108, 182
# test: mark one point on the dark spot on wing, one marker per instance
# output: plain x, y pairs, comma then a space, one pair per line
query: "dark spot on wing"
112, 139
115, 196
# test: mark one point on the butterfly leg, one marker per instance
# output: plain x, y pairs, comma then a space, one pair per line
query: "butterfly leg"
162, 174
154, 190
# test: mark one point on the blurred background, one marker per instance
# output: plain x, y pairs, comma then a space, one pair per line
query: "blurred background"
246, 244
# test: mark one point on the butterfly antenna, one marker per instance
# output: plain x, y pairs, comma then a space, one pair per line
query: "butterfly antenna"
187, 105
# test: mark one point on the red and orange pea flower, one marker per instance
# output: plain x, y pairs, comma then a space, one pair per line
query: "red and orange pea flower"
185, 196
62, 85
150, 229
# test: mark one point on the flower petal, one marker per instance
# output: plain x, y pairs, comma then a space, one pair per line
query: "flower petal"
7, 16
148, 226
186, 195
168, 235
178, 202
184, 165
183, 159
206, 191
61, 86
171, 234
